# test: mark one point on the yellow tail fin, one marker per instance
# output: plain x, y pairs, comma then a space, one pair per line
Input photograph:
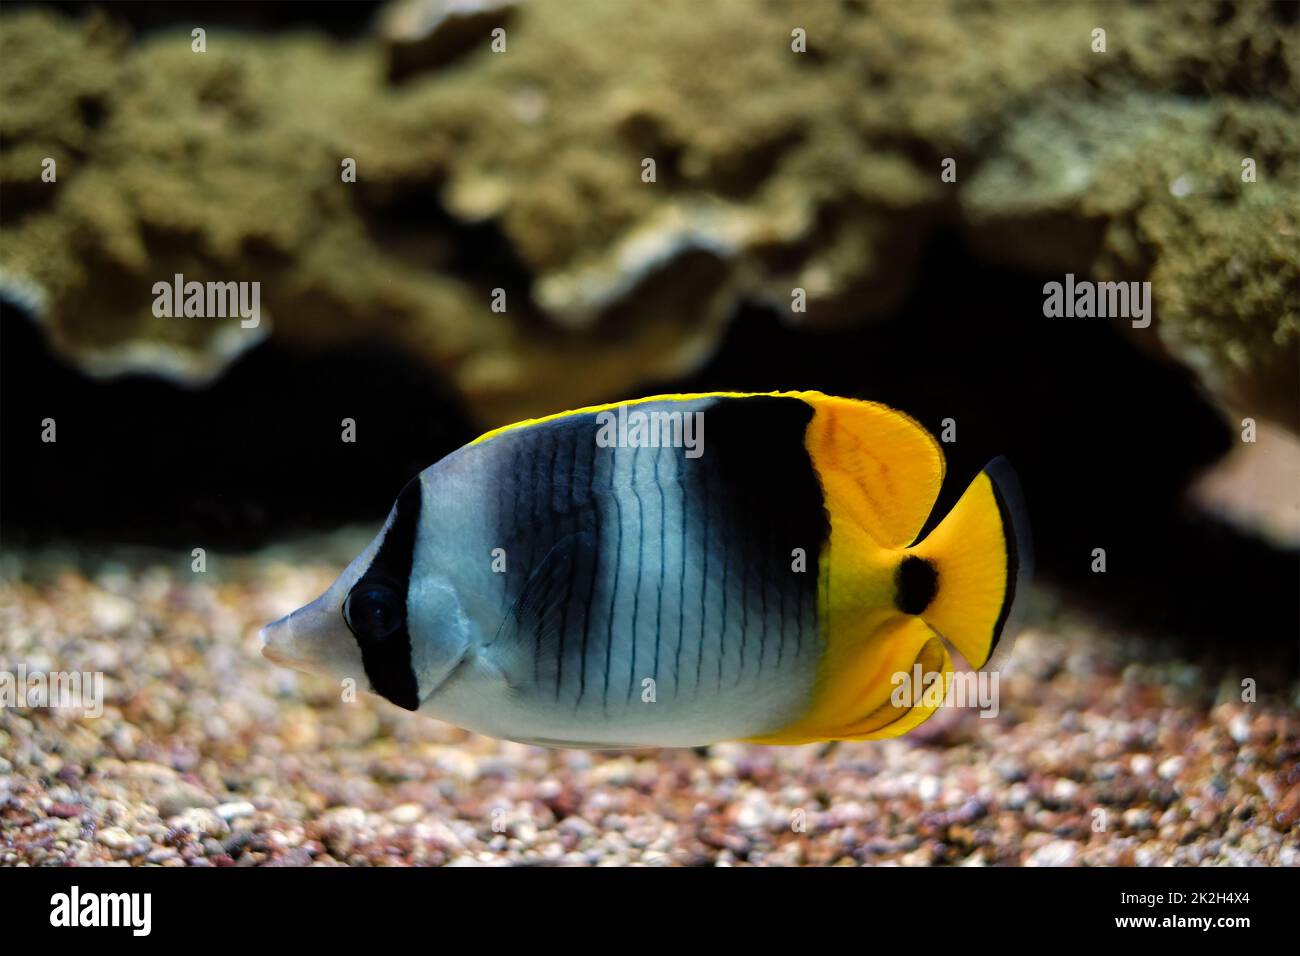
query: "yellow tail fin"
962, 578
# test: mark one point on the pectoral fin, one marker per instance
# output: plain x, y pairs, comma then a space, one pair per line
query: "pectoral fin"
528, 646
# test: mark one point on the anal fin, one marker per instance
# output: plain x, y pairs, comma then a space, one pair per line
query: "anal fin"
918, 704
854, 700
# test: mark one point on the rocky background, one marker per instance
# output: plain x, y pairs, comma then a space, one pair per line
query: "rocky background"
775, 170
521, 171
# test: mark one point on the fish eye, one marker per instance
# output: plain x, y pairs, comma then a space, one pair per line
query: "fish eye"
373, 611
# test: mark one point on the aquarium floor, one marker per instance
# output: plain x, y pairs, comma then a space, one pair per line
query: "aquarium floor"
1109, 749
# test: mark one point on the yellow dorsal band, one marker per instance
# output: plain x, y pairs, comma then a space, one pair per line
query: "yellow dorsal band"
612, 406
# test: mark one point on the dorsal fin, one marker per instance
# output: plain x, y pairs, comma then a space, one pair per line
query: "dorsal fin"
878, 467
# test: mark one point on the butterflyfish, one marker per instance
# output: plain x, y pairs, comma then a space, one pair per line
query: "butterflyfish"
676, 571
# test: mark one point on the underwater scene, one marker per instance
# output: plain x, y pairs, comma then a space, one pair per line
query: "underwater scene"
600, 433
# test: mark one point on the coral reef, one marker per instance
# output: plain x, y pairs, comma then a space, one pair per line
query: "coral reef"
522, 171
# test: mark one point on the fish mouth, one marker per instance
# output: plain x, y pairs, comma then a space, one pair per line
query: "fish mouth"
272, 654
313, 640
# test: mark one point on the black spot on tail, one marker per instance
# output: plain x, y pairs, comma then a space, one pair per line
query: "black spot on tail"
917, 583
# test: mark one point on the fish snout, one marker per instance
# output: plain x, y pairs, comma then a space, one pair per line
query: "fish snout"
290, 640
313, 639
277, 641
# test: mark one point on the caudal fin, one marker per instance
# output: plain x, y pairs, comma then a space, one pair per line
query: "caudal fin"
962, 578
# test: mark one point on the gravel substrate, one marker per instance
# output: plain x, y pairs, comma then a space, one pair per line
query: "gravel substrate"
1107, 750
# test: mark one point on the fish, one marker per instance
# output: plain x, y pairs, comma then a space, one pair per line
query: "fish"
676, 571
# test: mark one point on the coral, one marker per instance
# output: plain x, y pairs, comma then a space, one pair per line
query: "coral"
521, 171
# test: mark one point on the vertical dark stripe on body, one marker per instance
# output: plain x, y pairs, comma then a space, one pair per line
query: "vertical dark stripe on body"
636, 588
744, 607
704, 578
764, 553
616, 555
756, 483
514, 559
529, 495
540, 522
681, 577
784, 564
703, 597
594, 506
568, 511
663, 560
724, 542
497, 541
796, 614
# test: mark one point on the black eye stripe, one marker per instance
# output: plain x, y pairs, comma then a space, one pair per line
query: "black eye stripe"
387, 657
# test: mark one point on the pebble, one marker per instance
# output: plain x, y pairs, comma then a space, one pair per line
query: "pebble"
1017, 797
235, 810
115, 838
928, 789
178, 796
1239, 728
755, 811
108, 612
1056, 853
1065, 790
326, 783
199, 820
1011, 771
1137, 819
406, 813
